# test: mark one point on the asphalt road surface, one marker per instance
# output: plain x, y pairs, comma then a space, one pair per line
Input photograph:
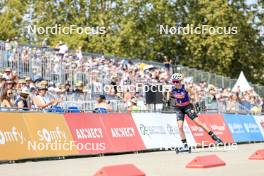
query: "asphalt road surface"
164, 163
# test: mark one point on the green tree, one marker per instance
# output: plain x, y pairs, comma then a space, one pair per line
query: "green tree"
11, 15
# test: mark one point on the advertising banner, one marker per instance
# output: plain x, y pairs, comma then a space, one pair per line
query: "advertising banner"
50, 135
14, 137
89, 133
122, 132
260, 122
243, 127
216, 123
160, 130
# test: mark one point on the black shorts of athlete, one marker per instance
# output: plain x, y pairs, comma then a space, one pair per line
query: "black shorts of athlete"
188, 110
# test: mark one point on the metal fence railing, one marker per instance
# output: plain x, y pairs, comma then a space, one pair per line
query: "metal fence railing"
48, 64
214, 79
120, 106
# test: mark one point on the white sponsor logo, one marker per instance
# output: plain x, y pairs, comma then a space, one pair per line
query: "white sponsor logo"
11, 136
236, 128
251, 128
89, 133
51, 135
123, 132
150, 130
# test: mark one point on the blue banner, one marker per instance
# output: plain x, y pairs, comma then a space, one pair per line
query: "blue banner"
243, 128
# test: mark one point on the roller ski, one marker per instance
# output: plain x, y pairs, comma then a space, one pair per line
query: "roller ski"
217, 140
186, 148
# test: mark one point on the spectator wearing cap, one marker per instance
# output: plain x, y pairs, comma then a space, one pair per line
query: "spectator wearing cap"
41, 101
29, 82
21, 84
6, 99
43, 83
78, 93
102, 106
22, 102
79, 87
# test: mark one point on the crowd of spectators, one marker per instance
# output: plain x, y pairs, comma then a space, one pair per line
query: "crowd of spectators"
225, 99
41, 78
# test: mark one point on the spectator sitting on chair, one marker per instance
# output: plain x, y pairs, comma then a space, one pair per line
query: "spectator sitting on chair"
41, 101
22, 101
101, 106
6, 98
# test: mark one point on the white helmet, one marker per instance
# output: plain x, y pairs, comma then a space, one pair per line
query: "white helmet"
176, 76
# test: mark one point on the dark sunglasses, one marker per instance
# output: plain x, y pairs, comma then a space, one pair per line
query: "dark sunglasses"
175, 81
10, 93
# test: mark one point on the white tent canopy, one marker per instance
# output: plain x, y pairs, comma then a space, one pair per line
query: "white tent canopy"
242, 83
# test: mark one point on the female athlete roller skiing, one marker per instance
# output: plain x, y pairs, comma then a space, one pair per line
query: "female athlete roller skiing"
184, 106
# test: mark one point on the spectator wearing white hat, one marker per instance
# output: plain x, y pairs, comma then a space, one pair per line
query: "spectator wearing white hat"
133, 107
22, 102
63, 48
8, 74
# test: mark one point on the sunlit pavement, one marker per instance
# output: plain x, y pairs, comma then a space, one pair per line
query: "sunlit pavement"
165, 163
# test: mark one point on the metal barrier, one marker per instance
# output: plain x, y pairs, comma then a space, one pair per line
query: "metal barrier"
120, 106
65, 106
116, 105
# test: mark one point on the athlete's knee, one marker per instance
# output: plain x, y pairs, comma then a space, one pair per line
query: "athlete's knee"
180, 126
